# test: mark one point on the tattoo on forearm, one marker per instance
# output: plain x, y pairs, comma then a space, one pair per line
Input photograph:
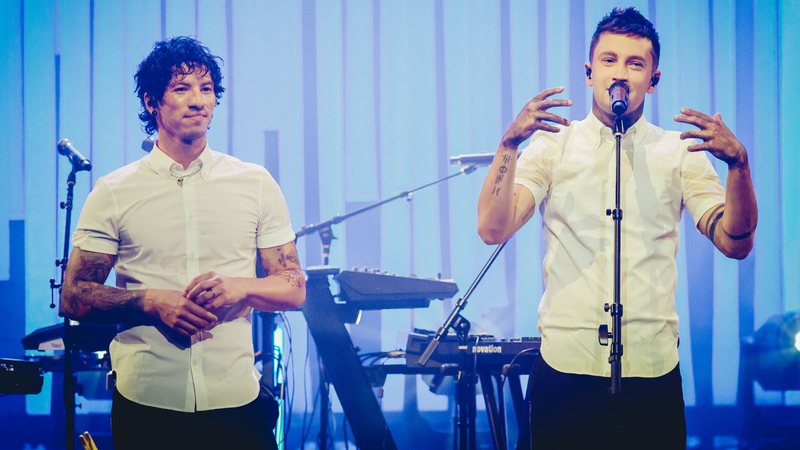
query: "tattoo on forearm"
109, 303
85, 295
293, 277
501, 174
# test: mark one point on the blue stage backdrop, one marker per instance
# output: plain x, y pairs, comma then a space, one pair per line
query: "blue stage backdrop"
349, 102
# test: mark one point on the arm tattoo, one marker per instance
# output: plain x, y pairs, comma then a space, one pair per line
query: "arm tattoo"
293, 277
84, 296
501, 174
713, 221
283, 261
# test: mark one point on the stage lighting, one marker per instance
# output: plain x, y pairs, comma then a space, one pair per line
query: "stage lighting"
776, 352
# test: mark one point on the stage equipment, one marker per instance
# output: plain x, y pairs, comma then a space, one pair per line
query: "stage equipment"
342, 364
20, 377
774, 352
79, 163
326, 232
618, 94
465, 392
495, 361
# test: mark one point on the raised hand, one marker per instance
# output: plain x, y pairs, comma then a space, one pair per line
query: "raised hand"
534, 116
717, 138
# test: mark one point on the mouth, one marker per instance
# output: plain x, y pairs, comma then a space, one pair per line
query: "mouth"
193, 116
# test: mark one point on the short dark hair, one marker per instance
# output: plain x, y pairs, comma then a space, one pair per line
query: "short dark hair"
180, 55
629, 22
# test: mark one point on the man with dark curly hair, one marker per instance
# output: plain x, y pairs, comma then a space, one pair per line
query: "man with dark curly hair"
181, 228
568, 171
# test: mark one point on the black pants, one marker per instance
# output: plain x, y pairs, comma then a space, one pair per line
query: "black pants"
247, 427
576, 412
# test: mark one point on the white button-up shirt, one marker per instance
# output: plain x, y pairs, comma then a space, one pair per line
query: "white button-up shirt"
167, 225
571, 176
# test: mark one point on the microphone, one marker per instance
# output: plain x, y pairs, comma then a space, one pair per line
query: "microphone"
618, 93
79, 162
147, 144
474, 159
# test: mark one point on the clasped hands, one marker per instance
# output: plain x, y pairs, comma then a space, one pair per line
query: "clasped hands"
191, 311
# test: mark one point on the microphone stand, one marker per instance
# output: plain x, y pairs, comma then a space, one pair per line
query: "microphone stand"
615, 309
324, 228
326, 236
69, 377
466, 378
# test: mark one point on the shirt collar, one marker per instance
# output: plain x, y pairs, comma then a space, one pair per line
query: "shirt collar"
166, 167
597, 130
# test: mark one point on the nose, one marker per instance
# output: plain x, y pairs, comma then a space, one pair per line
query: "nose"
195, 100
620, 73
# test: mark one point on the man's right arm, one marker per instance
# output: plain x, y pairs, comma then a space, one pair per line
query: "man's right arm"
504, 207
85, 297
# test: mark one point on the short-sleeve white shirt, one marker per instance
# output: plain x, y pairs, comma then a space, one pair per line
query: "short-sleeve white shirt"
167, 225
571, 176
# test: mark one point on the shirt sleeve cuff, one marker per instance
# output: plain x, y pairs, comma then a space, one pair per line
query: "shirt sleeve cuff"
86, 242
705, 206
535, 189
276, 238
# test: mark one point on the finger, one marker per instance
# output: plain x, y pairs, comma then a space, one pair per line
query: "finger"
201, 313
697, 134
553, 118
547, 93
695, 113
703, 146
197, 280
696, 121
201, 287
202, 298
705, 118
554, 102
185, 328
548, 128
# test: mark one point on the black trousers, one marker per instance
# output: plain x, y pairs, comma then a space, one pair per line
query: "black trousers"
248, 427
571, 411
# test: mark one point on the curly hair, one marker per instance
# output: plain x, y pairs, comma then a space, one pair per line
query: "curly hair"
628, 22
180, 55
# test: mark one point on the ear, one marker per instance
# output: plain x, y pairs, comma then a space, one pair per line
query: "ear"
588, 68
148, 103
652, 87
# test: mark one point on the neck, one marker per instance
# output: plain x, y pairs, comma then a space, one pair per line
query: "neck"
607, 119
182, 152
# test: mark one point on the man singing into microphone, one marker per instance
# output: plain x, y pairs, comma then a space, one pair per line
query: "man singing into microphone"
181, 228
568, 171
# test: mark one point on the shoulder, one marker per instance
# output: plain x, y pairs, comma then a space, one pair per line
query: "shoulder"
224, 164
123, 175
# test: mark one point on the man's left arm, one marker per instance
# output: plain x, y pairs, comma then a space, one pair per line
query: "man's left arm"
283, 288
730, 226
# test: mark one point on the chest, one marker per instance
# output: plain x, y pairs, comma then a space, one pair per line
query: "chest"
584, 178
208, 216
